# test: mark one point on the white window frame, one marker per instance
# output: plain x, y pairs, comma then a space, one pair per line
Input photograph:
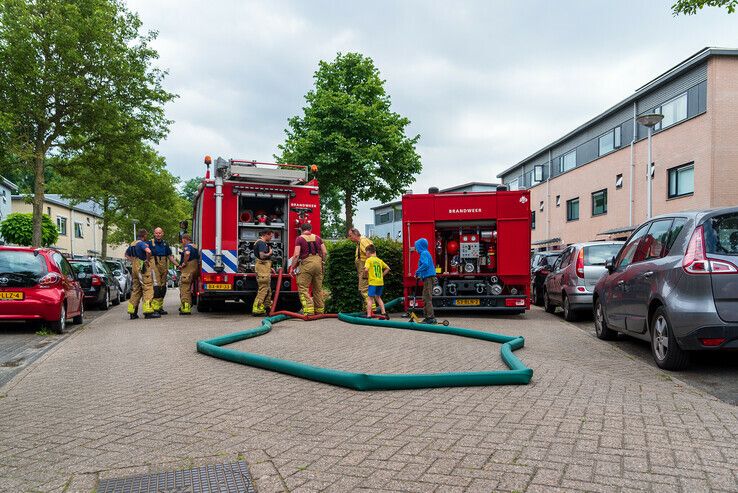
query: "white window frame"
571, 154
678, 102
81, 230
61, 221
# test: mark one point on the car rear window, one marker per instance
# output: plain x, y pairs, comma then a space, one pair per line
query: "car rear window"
721, 234
599, 254
22, 263
82, 267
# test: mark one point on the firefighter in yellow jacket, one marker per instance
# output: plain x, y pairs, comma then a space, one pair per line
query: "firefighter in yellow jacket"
161, 255
190, 265
262, 250
310, 252
139, 254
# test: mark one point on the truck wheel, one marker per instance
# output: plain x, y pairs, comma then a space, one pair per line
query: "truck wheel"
203, 306
666, 351
547, 305
535, 296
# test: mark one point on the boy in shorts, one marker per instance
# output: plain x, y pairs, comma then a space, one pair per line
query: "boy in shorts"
375, 269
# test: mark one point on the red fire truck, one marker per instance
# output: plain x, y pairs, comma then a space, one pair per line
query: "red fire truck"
243, 198
480, 242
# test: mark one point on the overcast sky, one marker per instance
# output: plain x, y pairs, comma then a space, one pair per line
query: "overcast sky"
484, 83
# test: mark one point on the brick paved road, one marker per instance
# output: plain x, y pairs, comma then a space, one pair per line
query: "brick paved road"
120, 398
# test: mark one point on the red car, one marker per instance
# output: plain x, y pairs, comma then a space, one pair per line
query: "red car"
39, 284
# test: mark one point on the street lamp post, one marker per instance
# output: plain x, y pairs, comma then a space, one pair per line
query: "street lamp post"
649, 120
134, 221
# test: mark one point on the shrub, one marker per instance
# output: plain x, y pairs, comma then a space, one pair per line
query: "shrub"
341, 277
18, 229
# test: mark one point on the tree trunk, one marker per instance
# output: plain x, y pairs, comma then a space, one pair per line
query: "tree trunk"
349, 209
105, 226
38, 196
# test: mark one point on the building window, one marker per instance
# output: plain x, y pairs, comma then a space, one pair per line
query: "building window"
572, 209
619, 181
674, 111
618, 138
558, 200
540, 206
78, 230
48, 211
383, 217
532, 219
513, 185
681, 180
398, 213
607, 142
569, 161
599, 202
61, 225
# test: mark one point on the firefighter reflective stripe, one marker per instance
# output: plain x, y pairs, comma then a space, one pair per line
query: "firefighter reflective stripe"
230, 261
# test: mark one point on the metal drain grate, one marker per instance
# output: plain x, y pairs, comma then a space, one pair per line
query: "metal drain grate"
214, 478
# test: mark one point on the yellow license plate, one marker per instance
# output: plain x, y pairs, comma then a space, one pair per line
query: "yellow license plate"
474, 302
217, 286
11, 295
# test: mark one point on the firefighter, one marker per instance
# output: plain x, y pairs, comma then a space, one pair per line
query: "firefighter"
161, 254
310, 252
263, 268
189, 265
360, 260
139, 254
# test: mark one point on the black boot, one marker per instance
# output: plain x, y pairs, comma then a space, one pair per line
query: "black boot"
134, 316
152, 315
163, 312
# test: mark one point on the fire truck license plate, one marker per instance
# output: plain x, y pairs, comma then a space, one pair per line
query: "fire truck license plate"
11, 295
474, 302
217, 286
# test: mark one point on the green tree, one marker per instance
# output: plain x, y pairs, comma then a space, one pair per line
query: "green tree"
189, 189
690, 7
350, 132
66, 69
18, 229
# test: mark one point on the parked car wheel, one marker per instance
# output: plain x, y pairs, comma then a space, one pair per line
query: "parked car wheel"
602, 331
535, 296
121, 297
666, 351
128, 293
116, 301
59, 325
547, 305
569, 314
106, 301
79, 318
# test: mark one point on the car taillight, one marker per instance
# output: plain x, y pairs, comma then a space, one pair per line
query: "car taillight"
96, 281
712, 341
580, 264
49, 280
695, 261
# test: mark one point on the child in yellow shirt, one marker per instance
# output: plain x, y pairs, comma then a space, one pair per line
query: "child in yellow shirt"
376, 269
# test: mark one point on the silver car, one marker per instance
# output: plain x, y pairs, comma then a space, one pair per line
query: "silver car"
674, 284
125, 281
574, 276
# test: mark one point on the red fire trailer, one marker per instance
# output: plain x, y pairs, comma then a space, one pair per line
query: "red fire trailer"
230, 209
480, 242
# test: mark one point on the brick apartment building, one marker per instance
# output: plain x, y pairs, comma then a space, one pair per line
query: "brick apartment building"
592, 182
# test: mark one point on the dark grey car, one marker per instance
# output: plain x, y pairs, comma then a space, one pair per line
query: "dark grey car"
675, 284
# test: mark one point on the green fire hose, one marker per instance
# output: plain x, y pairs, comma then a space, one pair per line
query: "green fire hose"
518, 374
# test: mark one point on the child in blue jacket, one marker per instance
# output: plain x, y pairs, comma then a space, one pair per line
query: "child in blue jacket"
427, 272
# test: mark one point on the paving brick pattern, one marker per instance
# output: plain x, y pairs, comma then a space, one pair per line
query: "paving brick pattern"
120, 398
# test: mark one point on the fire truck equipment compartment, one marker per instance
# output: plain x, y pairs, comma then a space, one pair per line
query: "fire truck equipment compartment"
518, 374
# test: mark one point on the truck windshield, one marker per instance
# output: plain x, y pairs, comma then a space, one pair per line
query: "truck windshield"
721, 234
599, 254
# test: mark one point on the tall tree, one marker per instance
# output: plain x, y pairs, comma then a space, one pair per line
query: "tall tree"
67, 68
349, 130
690, 7
189, 189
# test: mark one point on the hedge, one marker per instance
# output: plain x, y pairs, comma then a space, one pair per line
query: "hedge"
341, 277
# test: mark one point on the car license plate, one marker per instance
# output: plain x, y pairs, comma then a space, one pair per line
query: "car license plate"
217, 286
11, 295
473, 302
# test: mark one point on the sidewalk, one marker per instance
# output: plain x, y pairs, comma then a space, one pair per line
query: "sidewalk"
123, 397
